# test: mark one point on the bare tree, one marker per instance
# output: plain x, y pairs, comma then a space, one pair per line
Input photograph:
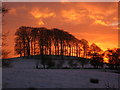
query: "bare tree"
24, 34
113, 56
4, 52
85, 46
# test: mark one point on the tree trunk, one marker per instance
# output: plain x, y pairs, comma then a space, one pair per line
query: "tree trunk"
79, 52
61, 45
58, 50
28, 48
50, 50
70, 51
55, 50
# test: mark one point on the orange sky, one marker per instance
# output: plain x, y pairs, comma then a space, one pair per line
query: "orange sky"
95, 22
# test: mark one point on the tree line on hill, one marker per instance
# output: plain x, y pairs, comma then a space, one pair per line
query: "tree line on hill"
42, 41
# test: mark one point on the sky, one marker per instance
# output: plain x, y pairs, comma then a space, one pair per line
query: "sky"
97, 22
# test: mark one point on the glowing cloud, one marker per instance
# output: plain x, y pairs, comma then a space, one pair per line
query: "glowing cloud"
71, 14
98, 19
101, 22
83, 16
95, 17
75, 16
41, 23
36, 13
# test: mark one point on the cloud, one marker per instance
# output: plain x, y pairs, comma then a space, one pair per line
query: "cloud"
90, 13
114, 23
37, 13
70, 15
99, 13
41, 15
101, 22
96, 16
77, 16
41, 23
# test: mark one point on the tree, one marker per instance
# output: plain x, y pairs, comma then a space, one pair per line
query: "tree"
34, 35
39, 41
97, 60
24, 34
19, 46
84, 46
113, 56
4, 52
43, 39
93, 49
117, 58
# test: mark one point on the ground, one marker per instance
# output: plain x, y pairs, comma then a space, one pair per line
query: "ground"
23, 74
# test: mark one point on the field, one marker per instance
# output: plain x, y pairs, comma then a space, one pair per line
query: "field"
22, 74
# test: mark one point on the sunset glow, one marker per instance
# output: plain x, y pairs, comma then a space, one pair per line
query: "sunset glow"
96, 22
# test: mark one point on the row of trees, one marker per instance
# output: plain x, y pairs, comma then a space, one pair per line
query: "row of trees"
43, 41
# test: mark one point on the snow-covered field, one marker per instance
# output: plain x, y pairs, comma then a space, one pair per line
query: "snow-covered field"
23, 74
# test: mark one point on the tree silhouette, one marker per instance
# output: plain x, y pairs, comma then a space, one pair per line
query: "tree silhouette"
85, 46
19, 46
97, 60
93, 49
24, 34
42, 41
3, 35
95, 53
113, 56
